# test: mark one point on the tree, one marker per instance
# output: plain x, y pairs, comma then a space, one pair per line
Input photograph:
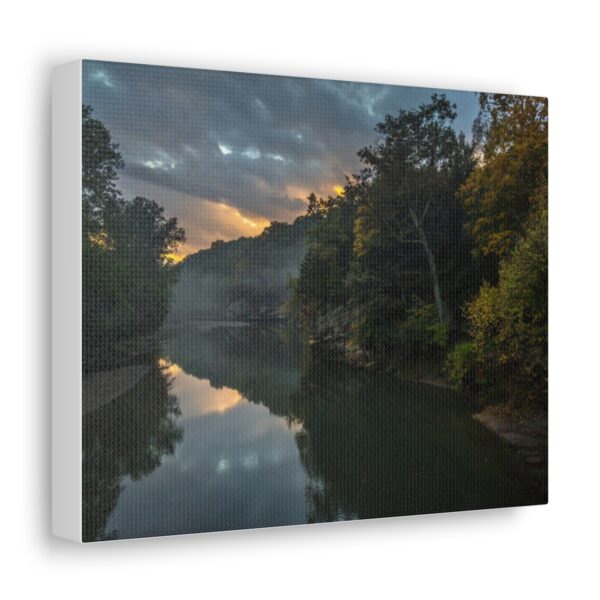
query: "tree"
412, 174
127, 276
322, 281
389, 265
511, 181
101, 161
509, 322
506, 202
144, 235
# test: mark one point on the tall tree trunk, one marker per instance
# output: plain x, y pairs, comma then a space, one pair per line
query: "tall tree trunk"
437, 294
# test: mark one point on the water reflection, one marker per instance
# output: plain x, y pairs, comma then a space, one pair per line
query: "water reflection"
264, 365
235, 427
126, 438
378, 447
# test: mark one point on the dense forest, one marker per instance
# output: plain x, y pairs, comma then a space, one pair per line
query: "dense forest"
436, 251
433, 257
127, 275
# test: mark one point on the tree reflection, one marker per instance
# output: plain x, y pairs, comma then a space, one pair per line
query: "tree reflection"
264, 364
127, 437
372, 445
379, 447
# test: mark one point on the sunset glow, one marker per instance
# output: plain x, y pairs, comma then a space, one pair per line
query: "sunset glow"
257, 224
239, 157
174, 258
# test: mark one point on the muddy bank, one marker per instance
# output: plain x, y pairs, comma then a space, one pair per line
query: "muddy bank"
528, 434
105, 386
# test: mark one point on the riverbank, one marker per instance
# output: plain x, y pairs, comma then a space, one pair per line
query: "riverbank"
526, 432
103, 387
103, 353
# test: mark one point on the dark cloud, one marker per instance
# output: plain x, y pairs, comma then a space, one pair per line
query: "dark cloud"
256, 143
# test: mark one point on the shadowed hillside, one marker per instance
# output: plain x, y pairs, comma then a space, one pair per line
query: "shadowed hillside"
247, 278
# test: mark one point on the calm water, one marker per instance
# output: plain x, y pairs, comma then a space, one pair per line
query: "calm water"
234, 426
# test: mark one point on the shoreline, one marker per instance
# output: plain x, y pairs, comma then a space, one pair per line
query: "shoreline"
528, 436
102, 387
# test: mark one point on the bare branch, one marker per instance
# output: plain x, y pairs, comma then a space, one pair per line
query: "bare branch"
425, 210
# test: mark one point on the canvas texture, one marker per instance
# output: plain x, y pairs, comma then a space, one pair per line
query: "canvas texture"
308, 301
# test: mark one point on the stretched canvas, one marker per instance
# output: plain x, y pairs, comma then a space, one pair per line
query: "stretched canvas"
281, 300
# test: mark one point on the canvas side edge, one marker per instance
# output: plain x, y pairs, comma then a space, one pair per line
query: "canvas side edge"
66, 302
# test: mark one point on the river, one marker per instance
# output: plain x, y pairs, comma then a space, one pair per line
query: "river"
234, 426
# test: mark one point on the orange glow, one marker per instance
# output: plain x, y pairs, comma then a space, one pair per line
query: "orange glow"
174, 258
196, 396
256, 224
168, 367
225, 399
207, 221
297, 193
339, 190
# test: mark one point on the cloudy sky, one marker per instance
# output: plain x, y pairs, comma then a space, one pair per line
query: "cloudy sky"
226, 153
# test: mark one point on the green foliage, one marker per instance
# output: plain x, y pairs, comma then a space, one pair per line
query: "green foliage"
126, 280
436, 240
421, 331
408, 212
506, 202
322, 281
127, 276
461, 366
511, 180
509, 322
381, 249
101, 161
386, 337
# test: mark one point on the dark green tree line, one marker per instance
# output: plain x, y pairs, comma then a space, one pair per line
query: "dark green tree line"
438, 242
506, 198
127, 276
392, 250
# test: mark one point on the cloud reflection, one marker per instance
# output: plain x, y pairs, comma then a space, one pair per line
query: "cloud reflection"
196, 396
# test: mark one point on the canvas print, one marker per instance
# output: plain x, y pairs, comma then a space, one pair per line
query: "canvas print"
308, 301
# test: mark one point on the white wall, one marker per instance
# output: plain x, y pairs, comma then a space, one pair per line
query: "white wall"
511, 46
